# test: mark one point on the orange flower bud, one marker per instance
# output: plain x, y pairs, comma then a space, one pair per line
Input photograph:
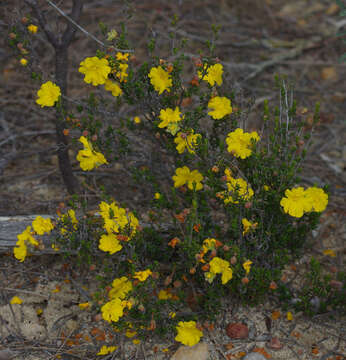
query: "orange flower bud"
215, 169
233, 260
85, 133
24, 20
205, 267
245, 280
66, 132
248, 205
94, 137
192, 270
273, 286
12, 35
177, 283
194, 81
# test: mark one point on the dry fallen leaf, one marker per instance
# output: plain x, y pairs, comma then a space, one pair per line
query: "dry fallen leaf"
262, 351
329, 73
274, 344
276, 315
237, 331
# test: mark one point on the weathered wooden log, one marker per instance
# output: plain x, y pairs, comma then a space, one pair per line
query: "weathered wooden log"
11, 226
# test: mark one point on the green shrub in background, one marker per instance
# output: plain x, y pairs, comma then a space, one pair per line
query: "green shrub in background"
227, 212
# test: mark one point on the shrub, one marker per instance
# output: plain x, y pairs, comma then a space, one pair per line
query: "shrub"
226, 213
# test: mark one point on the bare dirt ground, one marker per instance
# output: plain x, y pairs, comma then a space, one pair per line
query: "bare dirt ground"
257, 40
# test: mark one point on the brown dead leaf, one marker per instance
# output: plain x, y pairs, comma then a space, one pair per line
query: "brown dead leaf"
276, 315
329, 73
229, 346
333, 9
262, 351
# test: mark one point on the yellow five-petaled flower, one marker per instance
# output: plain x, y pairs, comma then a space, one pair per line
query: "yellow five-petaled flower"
95, 70
48, 94
160, 79
191, 178
88, 157
188, 333
221, 107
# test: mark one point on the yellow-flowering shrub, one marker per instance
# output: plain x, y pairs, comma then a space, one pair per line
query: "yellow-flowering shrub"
212, 168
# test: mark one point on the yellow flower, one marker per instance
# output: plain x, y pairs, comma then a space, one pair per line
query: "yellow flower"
184, 141
164, 295
247, 266
48, 94
213, 75
122, 56
220, 266
160, 79
209, 244
192, 178
26, 235
238, 188
317, 198
209, 276
248, 225
289, 316
32, 29
240, 143
136, 341
157, 196
106, 350
329, 252
113, 310
170, 118
142, 275
23, 61
188, 334
109, 243
111, 35
296, 202
130, 333
113, 87
20, 252
83, 306
228, 174
137, 119
42, 225
95, 70
122, 73
115, 218
120, 288
266, 187
221, 107
88, 157
16, 300
172, 315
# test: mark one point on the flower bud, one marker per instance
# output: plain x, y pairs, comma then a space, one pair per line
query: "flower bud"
24, 20
177, 283
233, 260
85, 133
12, 35
248, 205
245, 280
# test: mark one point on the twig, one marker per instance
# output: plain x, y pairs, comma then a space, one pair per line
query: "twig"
283, 56
24, 292
62, 13
29, 133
